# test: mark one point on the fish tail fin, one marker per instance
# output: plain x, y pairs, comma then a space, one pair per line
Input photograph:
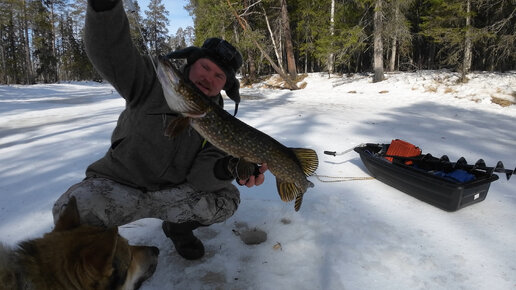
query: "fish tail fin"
299, 201
307, 159
299, 198
309, 162
286, 190
289, 191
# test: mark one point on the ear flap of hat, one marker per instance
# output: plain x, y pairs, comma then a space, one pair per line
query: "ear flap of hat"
233, 92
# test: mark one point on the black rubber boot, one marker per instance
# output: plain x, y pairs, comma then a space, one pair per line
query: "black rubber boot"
187, 245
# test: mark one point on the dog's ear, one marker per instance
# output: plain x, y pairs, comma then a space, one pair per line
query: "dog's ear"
69, 217
97, 258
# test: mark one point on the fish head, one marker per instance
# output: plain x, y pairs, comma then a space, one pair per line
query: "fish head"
168, 73
170, 79
180, 96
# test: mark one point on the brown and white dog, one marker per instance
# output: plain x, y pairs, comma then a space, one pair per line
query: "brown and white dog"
75, 256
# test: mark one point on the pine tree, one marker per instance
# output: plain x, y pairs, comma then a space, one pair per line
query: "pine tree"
178, 41
317, 44
448, 24
9, 43
137, 29
378, 42
397, 31
156, 27
45, 58
496, 51
213, 18
15, 54
289, 48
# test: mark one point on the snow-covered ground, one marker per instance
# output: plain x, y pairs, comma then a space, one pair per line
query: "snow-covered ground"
359, 234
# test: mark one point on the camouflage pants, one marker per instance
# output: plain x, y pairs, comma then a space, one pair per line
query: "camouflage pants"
106, 203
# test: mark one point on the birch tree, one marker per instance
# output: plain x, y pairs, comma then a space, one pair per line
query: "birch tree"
29, 70
331, 57
466, 64
249, 31
275, 44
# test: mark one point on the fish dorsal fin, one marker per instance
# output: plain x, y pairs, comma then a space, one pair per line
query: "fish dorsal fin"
287, 191
308, 160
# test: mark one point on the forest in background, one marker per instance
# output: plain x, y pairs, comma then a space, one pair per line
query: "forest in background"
41, 40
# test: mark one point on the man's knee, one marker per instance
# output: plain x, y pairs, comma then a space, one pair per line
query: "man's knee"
218, 206
62, 201
91, 202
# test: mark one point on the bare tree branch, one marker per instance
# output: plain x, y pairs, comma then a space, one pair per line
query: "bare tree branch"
246, 27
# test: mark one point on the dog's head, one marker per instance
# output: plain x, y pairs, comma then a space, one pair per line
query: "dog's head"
86, 257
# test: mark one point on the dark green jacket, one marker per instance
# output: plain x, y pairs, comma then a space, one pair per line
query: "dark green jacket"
140, 155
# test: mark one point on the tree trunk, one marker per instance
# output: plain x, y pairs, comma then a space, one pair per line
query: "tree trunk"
331, 57
28, 61
291, 61
3, 73
275, 46
245, 26
252, 67
378, 43
466, 66
56, 68
306, 53
392, 63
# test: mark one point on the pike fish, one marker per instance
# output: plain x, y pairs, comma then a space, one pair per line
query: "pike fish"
290, 166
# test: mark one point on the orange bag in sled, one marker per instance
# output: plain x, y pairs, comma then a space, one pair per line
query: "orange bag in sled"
402, 149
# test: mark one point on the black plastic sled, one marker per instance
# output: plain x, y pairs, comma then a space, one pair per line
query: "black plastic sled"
437, 181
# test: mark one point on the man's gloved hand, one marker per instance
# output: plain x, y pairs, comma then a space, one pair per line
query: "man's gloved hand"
245, 173
241, 169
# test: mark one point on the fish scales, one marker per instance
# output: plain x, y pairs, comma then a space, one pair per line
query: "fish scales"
237, 139
290, 166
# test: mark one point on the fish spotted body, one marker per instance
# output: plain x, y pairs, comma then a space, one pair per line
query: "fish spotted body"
290, 166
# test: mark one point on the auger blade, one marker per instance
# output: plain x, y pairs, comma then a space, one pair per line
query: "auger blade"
480, 164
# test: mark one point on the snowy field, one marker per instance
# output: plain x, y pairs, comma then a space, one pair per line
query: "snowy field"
359, 234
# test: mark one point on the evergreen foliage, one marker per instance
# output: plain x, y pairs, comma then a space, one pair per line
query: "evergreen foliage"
42, 40
155, 26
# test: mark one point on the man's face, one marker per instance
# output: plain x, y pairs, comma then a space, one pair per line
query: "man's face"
207, 76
